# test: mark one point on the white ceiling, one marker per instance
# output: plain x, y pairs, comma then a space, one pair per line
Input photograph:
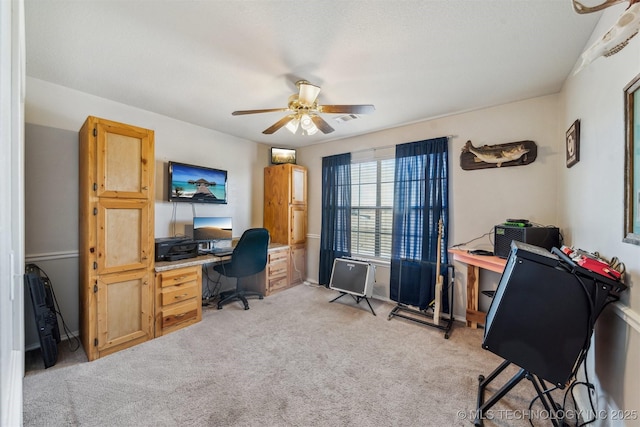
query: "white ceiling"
197, 61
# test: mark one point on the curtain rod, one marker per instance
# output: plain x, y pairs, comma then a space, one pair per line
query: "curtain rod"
393, 146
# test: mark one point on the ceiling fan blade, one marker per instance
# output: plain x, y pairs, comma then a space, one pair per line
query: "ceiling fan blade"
268, 110
321, 124
280, 123
347, 109
308, 93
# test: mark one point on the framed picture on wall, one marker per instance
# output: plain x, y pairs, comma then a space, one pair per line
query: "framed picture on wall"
573, 144
632, 162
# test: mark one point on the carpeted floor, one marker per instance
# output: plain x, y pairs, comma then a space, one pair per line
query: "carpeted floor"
293, 359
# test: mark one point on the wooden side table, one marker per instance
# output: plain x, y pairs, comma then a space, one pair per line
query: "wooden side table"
474, 264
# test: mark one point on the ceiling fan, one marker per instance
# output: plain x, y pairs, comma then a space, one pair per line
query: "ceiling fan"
304, 111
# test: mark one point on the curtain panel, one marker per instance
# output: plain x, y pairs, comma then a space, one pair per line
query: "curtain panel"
335, 237
420, 201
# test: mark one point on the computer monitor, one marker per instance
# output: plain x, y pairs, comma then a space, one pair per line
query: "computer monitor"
209, 228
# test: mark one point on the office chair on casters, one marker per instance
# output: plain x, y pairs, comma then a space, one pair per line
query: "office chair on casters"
249, 258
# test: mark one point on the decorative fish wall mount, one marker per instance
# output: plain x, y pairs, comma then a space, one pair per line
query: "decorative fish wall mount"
499, 155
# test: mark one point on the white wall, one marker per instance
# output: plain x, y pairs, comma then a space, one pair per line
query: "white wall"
479, 199
591, 209
54, 114
12, 77
59, 107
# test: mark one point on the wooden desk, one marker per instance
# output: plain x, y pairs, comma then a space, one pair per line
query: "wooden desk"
178, 286
161, 266
474, 264
275, 276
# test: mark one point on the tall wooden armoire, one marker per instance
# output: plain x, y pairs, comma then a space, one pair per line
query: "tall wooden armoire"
116, 236
285, 213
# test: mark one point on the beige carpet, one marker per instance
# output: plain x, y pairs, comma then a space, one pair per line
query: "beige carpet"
293, 359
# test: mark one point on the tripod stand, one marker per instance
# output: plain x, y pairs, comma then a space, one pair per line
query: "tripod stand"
357, 299
538, 383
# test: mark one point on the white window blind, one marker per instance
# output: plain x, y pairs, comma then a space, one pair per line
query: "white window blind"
372, 207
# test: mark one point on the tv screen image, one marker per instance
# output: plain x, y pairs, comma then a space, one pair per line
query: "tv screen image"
212, 228
199, 184
283, 155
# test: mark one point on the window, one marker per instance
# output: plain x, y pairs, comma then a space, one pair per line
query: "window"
372, 207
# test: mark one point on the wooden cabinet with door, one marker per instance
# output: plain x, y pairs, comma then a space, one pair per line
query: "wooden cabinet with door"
285, 213
116, 236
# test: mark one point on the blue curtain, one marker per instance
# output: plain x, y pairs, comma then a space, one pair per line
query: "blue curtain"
335, 237
420, 200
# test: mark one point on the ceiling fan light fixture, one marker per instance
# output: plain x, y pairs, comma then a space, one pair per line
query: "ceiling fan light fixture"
292, 126
308, 93
303, 112
307, 124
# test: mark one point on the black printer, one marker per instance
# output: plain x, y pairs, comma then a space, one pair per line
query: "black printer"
175, 248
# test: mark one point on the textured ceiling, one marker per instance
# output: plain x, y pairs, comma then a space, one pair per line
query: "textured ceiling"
197, 61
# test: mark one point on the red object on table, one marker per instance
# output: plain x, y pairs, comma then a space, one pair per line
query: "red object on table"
599, 267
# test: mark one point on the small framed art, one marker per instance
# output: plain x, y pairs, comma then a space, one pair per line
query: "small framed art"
573, 144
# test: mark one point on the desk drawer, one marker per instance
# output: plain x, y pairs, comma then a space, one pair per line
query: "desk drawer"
278, 269
177, 293
178, 276
178, 299
278, 255
179, 313
278, 283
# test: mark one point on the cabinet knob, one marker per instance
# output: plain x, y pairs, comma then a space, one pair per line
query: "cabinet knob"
180, 296
145, 188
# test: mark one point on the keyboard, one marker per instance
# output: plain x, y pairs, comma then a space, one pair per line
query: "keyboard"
217, 251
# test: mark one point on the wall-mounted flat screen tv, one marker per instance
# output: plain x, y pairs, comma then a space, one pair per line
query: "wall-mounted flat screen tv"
196, 184
282, 155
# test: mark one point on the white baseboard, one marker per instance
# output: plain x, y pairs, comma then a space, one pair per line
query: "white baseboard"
63, 338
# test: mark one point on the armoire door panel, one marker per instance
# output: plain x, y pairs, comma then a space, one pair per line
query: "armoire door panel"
298, 185
124, 304
298, 224
123, 233
122, 169
122, 164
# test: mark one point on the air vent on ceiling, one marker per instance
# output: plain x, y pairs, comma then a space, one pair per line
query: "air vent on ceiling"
346, 118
